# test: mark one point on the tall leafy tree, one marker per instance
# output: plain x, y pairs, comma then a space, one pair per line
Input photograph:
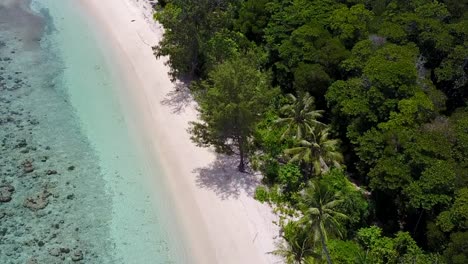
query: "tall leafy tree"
189, 25
351, 24
387, 74
400, 249
232, 101
455, 221
297, 40
253, 18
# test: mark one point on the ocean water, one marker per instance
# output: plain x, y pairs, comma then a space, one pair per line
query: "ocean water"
74, 185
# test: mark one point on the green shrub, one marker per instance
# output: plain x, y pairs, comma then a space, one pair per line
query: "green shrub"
276, 195
354, 205
345, 252
268, 139
290, 176
270, 170
261, 194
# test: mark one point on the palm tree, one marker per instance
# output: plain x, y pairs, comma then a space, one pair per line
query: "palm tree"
319, 205
318, 150
300, 116
295, 252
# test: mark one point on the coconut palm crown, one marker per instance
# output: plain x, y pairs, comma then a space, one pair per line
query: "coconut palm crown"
317, 150
321, 214
300, 117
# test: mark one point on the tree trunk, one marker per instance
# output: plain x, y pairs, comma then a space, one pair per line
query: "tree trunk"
194, 62
324, 246
241, 166
323, 166
417, 223
312, 166
311, 170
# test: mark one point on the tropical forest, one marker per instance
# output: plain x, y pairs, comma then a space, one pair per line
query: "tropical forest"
354, 111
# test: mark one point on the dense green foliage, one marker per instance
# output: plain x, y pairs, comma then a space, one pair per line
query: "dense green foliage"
232, 100
366, 147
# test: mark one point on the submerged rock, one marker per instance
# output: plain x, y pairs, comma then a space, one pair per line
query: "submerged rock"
3, 231
57, 252
54, 252
77, 255
37, 202
51, 172
28, 167
32, 261
21, 144
6, 191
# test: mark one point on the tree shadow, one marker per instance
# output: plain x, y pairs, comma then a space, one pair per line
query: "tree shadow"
179, 98
222, 177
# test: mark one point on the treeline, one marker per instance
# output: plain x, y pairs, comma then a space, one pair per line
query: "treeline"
354, 110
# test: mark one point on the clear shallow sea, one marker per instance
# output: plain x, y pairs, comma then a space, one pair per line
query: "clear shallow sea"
74, 185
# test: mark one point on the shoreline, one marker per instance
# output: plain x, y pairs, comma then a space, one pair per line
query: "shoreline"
140, 226
140, 122
219, 227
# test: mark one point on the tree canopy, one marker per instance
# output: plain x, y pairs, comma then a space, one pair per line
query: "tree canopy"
232, 100
372, 105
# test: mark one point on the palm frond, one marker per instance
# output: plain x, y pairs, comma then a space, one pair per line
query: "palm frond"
332, 204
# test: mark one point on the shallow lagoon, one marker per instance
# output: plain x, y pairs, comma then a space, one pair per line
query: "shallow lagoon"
77, 186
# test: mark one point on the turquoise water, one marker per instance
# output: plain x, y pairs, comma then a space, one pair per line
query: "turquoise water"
74, 185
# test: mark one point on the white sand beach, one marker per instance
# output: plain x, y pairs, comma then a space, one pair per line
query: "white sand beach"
216, 210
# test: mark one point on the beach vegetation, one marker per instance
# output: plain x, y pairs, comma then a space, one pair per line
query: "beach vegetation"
261, 194
321, 218
364, 147
232, 101
299, 117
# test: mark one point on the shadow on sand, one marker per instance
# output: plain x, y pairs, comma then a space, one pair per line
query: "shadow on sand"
225, 180
179, 98
221, 176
